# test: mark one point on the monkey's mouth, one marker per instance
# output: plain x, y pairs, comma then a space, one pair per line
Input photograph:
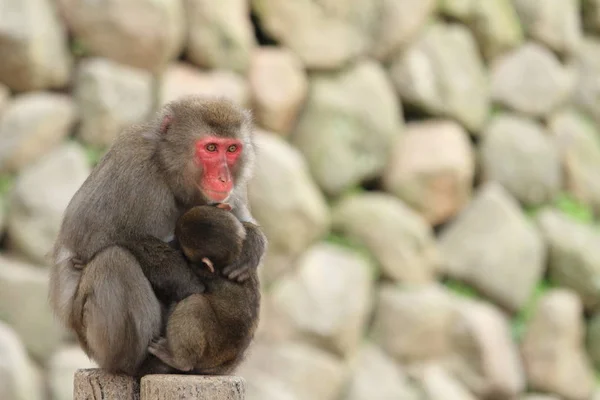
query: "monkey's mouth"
215, 195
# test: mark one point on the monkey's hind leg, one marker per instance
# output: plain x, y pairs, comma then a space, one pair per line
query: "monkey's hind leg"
116, 312
160, 349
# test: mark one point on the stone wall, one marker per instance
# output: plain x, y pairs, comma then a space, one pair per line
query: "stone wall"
428, 176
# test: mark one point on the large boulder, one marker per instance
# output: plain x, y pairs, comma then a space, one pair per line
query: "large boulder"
285, 201
436, 383
279, 86
574, 256
219, 36
18, 378
24, 305
40, 196
432, 169
107, 29
554, 23
291, 371
553, 348
496, 26
442, 74
530, 80
33, 46
587, 87
31, 125
485, 358
324, 35
400, 22
494, 248
577, 140
309, 305
349, 124
377, 376
399, 239
518, 153
182, 79
110, 97
413, 324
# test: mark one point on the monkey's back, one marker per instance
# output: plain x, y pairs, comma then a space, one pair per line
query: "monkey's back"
216, 328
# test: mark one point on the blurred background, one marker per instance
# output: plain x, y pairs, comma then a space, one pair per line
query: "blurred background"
428, 177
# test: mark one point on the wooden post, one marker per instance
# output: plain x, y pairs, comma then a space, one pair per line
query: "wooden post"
96, 384
192, 387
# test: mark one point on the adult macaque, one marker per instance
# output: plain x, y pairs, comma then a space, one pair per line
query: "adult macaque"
194, 152
209, 331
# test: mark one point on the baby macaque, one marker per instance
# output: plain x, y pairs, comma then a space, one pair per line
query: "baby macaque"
208, 331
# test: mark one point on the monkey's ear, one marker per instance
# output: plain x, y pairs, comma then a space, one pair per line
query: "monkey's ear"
166, 123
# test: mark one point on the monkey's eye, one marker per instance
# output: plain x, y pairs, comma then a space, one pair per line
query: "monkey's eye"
211, 147
232, 148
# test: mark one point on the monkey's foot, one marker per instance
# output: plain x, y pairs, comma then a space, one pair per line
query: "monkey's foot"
160, 349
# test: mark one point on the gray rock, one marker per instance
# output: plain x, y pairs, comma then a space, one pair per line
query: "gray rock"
485, 359
496, 26
376, 376
105, 29
332, 316
437, 384
279, 87
574, 256
219, 36
432, 169
401, 21
491, 246
24, 306
414, 324
110, 97
62, 367
399, 238
348, 126
181, 79
291, 371
553, 350
459, 9
530, 80
18, 378
577, 138
591, 15
41, 193
4, 97
554, 23
285, 200
324, 35
32, 125
518, 153
587, 88
443, 74
33, 46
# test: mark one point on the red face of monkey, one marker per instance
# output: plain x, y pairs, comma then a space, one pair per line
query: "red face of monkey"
217, 156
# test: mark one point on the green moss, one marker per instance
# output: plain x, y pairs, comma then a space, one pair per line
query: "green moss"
519, 322
573, 208
461, 288
78, 49
6, 184
94, 154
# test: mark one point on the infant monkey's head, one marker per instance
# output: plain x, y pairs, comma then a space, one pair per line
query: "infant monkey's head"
211, 235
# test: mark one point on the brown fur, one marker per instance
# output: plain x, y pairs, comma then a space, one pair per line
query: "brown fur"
208, 332
141, 186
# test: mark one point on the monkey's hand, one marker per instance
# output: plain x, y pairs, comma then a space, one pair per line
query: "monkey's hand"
253, 249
